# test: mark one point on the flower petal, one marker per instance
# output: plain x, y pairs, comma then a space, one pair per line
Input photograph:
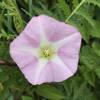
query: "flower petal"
27, 43
55, 71
56, 30
60, 70
22, 58
29, 71
69, 52
46, 74
35, 28
40, 67
30, 51
23, 48
24, 41
58, 44
34, 70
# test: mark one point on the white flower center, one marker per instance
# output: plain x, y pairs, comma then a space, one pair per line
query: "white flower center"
46, 52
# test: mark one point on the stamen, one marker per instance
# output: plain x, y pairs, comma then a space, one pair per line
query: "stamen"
46, 52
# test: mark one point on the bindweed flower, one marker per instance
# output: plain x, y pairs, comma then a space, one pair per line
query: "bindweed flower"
47, 50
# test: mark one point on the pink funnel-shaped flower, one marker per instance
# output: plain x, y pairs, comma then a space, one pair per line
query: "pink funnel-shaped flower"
47, 50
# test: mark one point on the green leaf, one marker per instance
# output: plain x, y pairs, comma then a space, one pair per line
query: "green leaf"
88, 75
18, 23
75, 10
89, 58
42, 9
6, 36
4, 94
97, 71
83, 11
95, 32
96, 47
30, 6
15, 74
4, 51
27, 98
49, 92
75, 3
93, 25
64, 7
11, 5
83, 20
1, 87
95, 2
77, 89
82, 26
3, 77
10, 98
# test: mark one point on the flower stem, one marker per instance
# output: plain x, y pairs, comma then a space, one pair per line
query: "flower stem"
74, 11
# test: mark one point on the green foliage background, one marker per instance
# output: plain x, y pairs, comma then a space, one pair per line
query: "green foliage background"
85, 15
